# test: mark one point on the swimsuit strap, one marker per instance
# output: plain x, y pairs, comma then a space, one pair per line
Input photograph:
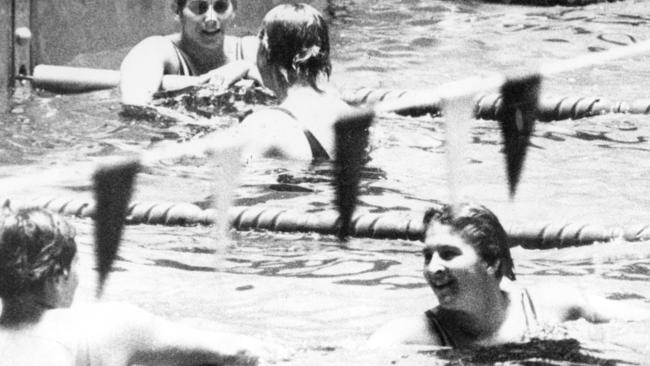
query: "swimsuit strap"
239, 49
185, 70
439, 330
318, 152
530, 314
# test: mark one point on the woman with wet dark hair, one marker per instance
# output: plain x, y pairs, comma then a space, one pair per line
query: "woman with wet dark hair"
38, 279
36, 248
466, 257
294, 61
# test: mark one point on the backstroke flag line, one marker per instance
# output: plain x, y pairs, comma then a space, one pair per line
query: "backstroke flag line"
226, 166
113, 185
517, 121
458, 114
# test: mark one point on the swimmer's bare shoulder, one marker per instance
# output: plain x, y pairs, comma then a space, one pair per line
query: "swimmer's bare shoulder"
153, 49
142, 69
413, 330
275, 134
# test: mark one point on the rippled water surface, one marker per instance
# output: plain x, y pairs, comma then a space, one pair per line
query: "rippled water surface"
325, 299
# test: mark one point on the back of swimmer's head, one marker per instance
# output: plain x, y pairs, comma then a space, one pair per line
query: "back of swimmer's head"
295, 38
480, 228
34, 246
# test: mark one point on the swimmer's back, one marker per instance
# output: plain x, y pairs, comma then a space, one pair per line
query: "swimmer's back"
302, 128
101, 334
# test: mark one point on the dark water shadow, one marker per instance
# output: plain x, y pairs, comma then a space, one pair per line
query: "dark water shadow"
536, 352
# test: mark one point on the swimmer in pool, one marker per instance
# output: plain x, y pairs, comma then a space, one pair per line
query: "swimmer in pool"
466, 257
201, 50
294, 61
38, 326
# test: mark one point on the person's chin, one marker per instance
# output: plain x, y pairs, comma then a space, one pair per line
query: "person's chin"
446, 295
211, 40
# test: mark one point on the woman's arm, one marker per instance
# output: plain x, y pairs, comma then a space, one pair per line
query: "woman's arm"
142, 70
138, 337
563, 303
228, 74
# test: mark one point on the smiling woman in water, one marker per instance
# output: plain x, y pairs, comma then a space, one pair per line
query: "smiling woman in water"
201, 51
468, 266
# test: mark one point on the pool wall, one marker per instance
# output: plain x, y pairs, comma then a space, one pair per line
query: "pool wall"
6, 46
98, 33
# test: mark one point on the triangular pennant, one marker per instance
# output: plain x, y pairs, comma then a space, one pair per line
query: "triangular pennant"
517, 119
113, 186
351, 142
458, 113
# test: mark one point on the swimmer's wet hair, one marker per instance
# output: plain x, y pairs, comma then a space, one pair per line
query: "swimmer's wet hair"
180, 4
295, 37
480, 228
34, 246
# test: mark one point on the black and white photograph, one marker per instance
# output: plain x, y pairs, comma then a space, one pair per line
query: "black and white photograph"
324, 182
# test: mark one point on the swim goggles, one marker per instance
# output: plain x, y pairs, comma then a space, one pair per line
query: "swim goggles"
199, 7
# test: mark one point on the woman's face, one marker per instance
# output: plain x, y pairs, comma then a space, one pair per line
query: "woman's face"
453, 268
205, 21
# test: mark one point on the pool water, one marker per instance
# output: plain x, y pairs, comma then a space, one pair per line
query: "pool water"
324, 299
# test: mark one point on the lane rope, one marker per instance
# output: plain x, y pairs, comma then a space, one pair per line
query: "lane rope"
388, 226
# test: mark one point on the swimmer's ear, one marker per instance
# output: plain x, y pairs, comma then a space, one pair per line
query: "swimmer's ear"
495, 268
176, 10
6, 208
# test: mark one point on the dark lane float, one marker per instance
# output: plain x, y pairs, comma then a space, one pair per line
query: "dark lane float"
388, 225
490, 106
551, 2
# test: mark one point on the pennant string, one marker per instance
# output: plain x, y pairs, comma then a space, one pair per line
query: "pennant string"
458, 114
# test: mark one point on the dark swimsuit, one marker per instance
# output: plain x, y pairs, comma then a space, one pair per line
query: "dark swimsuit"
186, 68
318, 152
446, 340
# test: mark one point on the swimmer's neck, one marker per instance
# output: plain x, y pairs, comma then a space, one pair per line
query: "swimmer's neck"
23, 309
299, 91
203, 59
479, 322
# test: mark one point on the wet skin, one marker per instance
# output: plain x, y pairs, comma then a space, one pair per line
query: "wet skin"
207, 29
453, 268
69, 283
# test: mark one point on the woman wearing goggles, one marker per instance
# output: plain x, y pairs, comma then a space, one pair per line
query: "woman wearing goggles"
201, 50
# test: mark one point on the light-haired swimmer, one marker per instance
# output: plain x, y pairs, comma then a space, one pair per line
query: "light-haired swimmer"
201, 50
466, 257
294, 61
38, 278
